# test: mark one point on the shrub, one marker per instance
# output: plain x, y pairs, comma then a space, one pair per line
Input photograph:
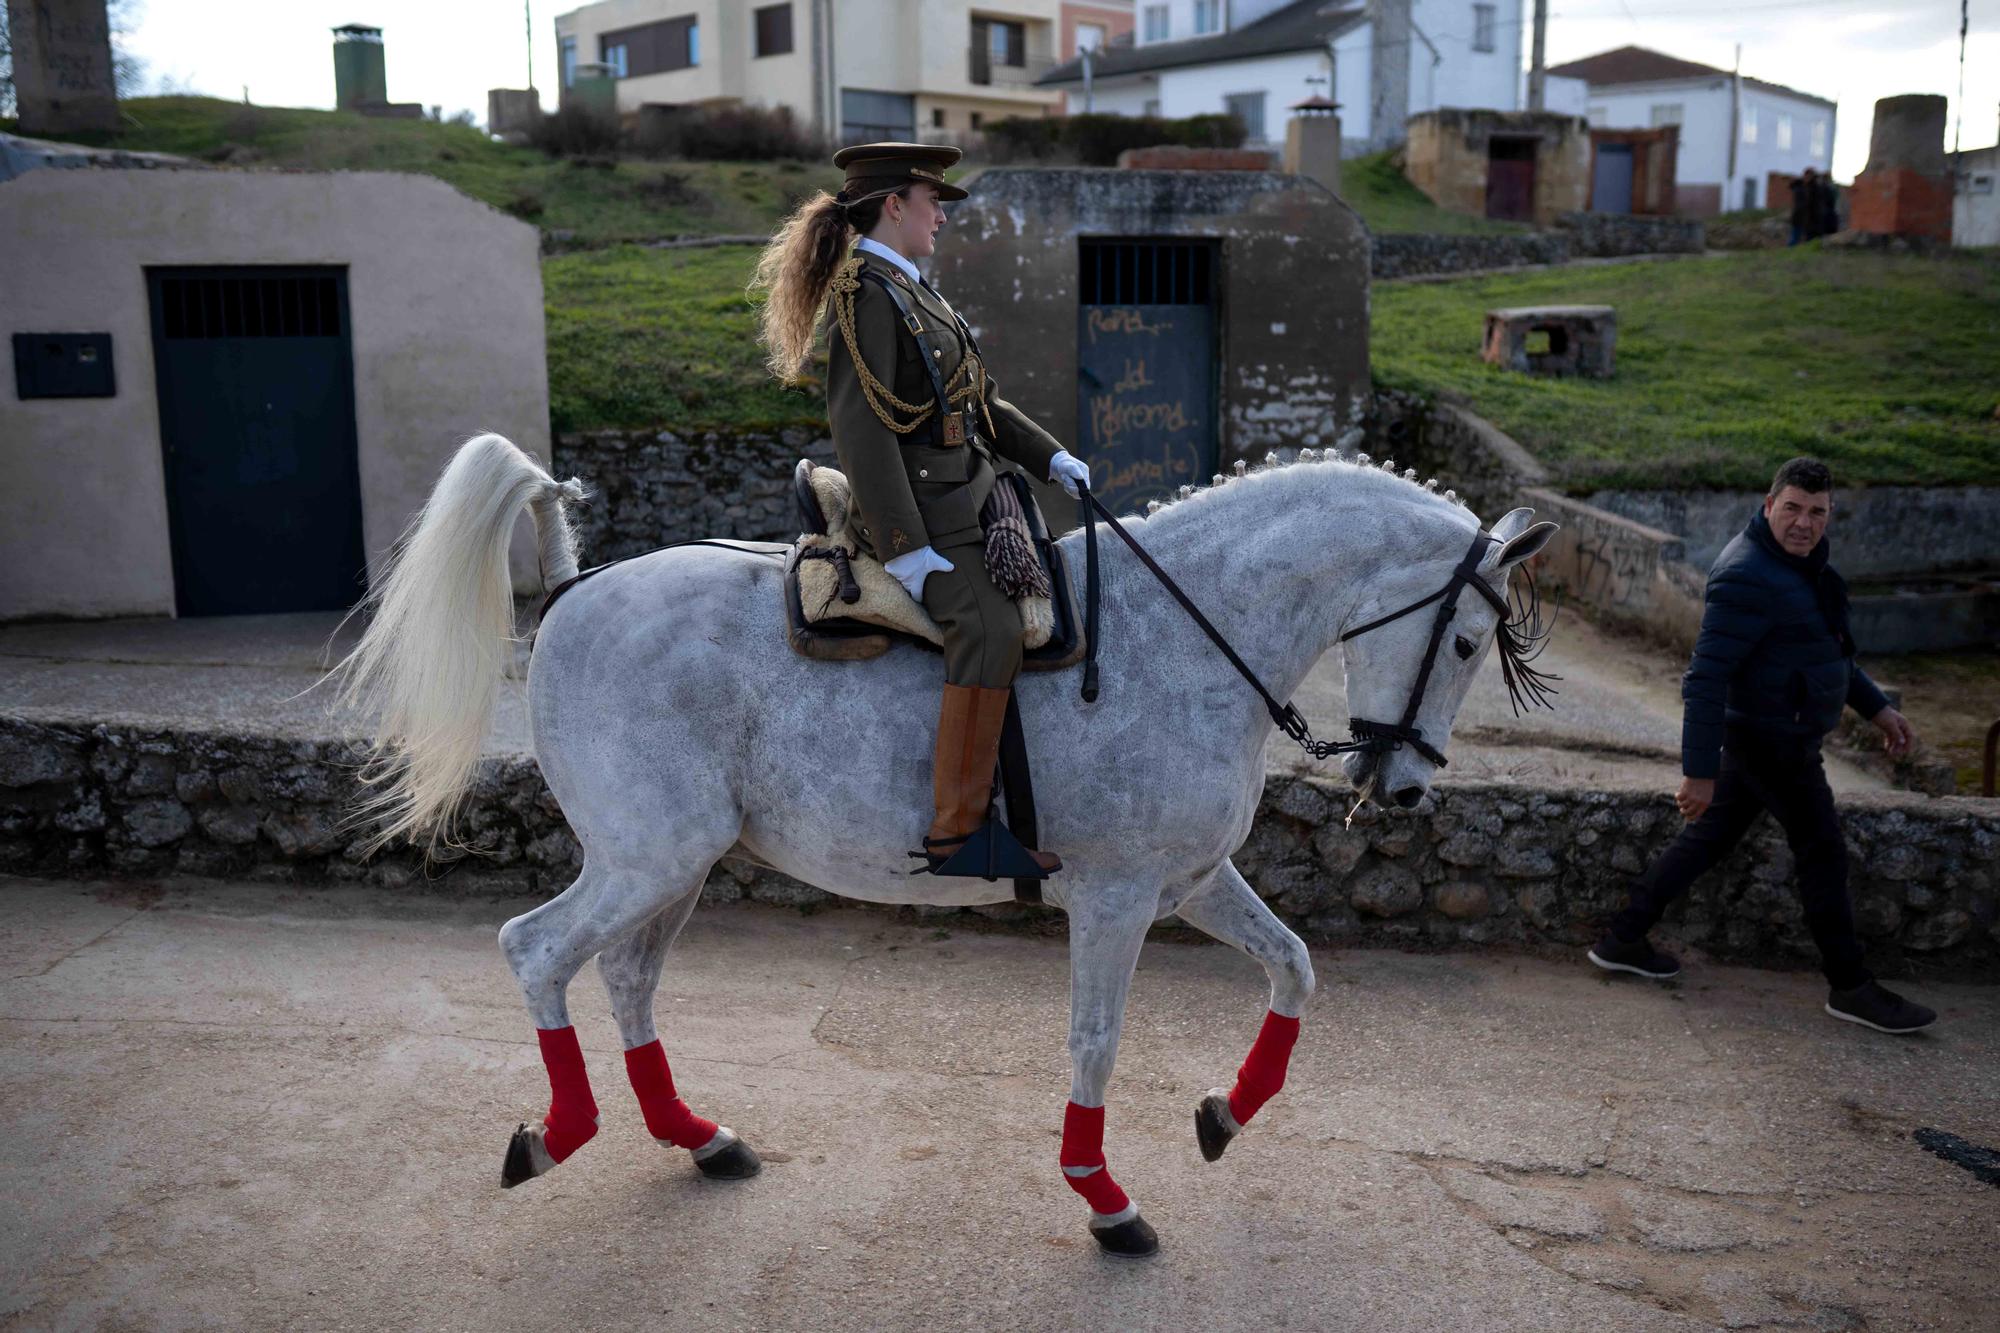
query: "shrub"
575, 131
1096, 140
725, 134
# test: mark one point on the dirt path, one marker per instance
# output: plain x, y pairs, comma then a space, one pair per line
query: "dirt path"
237, 1106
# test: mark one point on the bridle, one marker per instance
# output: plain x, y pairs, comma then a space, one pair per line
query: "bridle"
1369, 737
1380, 737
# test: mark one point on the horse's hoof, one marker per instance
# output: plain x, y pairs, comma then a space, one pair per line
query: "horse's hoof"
735, 1161
526, 1157
1214, 1127
1134, 1238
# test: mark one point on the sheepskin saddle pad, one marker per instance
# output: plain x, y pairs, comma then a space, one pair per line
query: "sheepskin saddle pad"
842, 605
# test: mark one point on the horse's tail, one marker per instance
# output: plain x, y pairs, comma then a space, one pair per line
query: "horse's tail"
441, 634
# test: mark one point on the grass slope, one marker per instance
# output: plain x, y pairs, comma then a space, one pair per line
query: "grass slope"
641, 337
1884, 366
1389, 204
597, 203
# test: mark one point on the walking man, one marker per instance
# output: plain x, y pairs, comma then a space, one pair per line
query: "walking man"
1773, 667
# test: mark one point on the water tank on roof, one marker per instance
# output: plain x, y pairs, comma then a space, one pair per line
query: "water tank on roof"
358, 75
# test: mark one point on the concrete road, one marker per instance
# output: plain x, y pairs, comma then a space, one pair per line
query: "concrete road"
237, 1106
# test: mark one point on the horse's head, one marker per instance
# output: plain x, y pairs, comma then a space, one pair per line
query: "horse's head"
1414, 645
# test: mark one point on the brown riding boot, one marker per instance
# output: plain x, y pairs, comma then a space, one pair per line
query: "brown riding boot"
968, 748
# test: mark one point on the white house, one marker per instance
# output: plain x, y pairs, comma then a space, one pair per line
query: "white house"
1383, 61
1775, 131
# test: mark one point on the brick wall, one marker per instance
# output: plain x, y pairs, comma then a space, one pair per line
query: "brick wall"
1901, 202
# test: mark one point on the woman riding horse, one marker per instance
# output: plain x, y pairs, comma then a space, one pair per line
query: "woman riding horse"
921, 431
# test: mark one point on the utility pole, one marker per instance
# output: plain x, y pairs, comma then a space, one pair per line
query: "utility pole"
528, 14
1735, 123
1087, 53
1538, 72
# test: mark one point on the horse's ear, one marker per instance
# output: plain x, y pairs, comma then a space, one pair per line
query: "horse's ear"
1512, 524
1520, 547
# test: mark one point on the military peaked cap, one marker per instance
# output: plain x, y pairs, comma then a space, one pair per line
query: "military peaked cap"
883, 168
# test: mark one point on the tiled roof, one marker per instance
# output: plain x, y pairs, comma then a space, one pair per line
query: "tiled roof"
1307, 25
1636, 64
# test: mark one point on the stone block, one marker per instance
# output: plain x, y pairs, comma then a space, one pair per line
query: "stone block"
231, 823
194, 787
303, 832
1386, 891
1466, 849
1939, 931
29, 761
241, 785
151, 775
157, 823
1463, 901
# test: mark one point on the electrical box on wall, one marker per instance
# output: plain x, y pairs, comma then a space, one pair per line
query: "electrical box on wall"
63, 365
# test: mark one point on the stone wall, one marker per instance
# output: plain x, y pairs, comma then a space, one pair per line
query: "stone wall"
1463, 451
1477, 864
650, 488
1878, 532
1418, 254
1630, 575
1602, 235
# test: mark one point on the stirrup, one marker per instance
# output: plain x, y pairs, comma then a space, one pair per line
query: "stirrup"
989, 852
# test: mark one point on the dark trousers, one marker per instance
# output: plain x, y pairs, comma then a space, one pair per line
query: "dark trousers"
1783, 774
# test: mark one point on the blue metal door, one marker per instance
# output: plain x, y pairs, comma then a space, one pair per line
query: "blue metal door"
1611, 182
256, 386
1146, 367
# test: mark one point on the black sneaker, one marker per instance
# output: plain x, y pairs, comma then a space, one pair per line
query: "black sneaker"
1642, 959
1873, 1006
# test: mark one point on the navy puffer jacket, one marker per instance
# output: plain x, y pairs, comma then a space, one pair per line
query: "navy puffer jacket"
1774, 652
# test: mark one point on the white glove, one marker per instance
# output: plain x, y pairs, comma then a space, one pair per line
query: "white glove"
1068, 469
912, 567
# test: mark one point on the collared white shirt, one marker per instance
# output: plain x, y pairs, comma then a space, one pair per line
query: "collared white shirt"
875, 247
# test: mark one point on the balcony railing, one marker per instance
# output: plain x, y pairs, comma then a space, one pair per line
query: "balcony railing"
988, 72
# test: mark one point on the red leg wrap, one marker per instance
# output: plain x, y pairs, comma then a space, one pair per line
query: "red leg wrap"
667, 1116
1263, 1071
1083, 1146
572, 1118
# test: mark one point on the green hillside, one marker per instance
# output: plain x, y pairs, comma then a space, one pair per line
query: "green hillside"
579, 202
1882, 365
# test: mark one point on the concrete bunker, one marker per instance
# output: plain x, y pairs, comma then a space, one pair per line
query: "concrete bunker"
1165, 324
233, 389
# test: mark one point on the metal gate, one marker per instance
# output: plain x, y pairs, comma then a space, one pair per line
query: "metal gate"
1146, 367
256, 385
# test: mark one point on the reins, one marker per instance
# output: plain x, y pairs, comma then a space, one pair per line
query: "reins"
1370, 737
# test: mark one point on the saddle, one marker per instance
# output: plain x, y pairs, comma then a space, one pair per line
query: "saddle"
842, 605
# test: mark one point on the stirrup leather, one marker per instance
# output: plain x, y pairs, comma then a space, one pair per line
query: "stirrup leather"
989, 852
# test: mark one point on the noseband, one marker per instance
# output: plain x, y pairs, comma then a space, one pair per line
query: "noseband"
1369, 737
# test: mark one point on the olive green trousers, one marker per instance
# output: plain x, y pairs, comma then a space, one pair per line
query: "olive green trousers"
981, 624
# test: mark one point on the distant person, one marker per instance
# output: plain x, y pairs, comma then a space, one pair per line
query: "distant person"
1826, 217
1773, 667
1805, 206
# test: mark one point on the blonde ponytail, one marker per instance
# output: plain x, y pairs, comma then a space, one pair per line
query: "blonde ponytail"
795, 270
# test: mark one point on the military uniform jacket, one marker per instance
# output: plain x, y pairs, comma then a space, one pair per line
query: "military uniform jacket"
912, 489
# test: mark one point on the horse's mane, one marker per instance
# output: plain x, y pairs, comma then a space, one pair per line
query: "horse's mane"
1521, 635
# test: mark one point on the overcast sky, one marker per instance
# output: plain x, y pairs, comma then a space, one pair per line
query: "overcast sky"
449, 52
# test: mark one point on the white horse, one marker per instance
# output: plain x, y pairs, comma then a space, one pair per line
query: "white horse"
674, 725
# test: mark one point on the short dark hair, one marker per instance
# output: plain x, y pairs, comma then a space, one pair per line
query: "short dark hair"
1808, 474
